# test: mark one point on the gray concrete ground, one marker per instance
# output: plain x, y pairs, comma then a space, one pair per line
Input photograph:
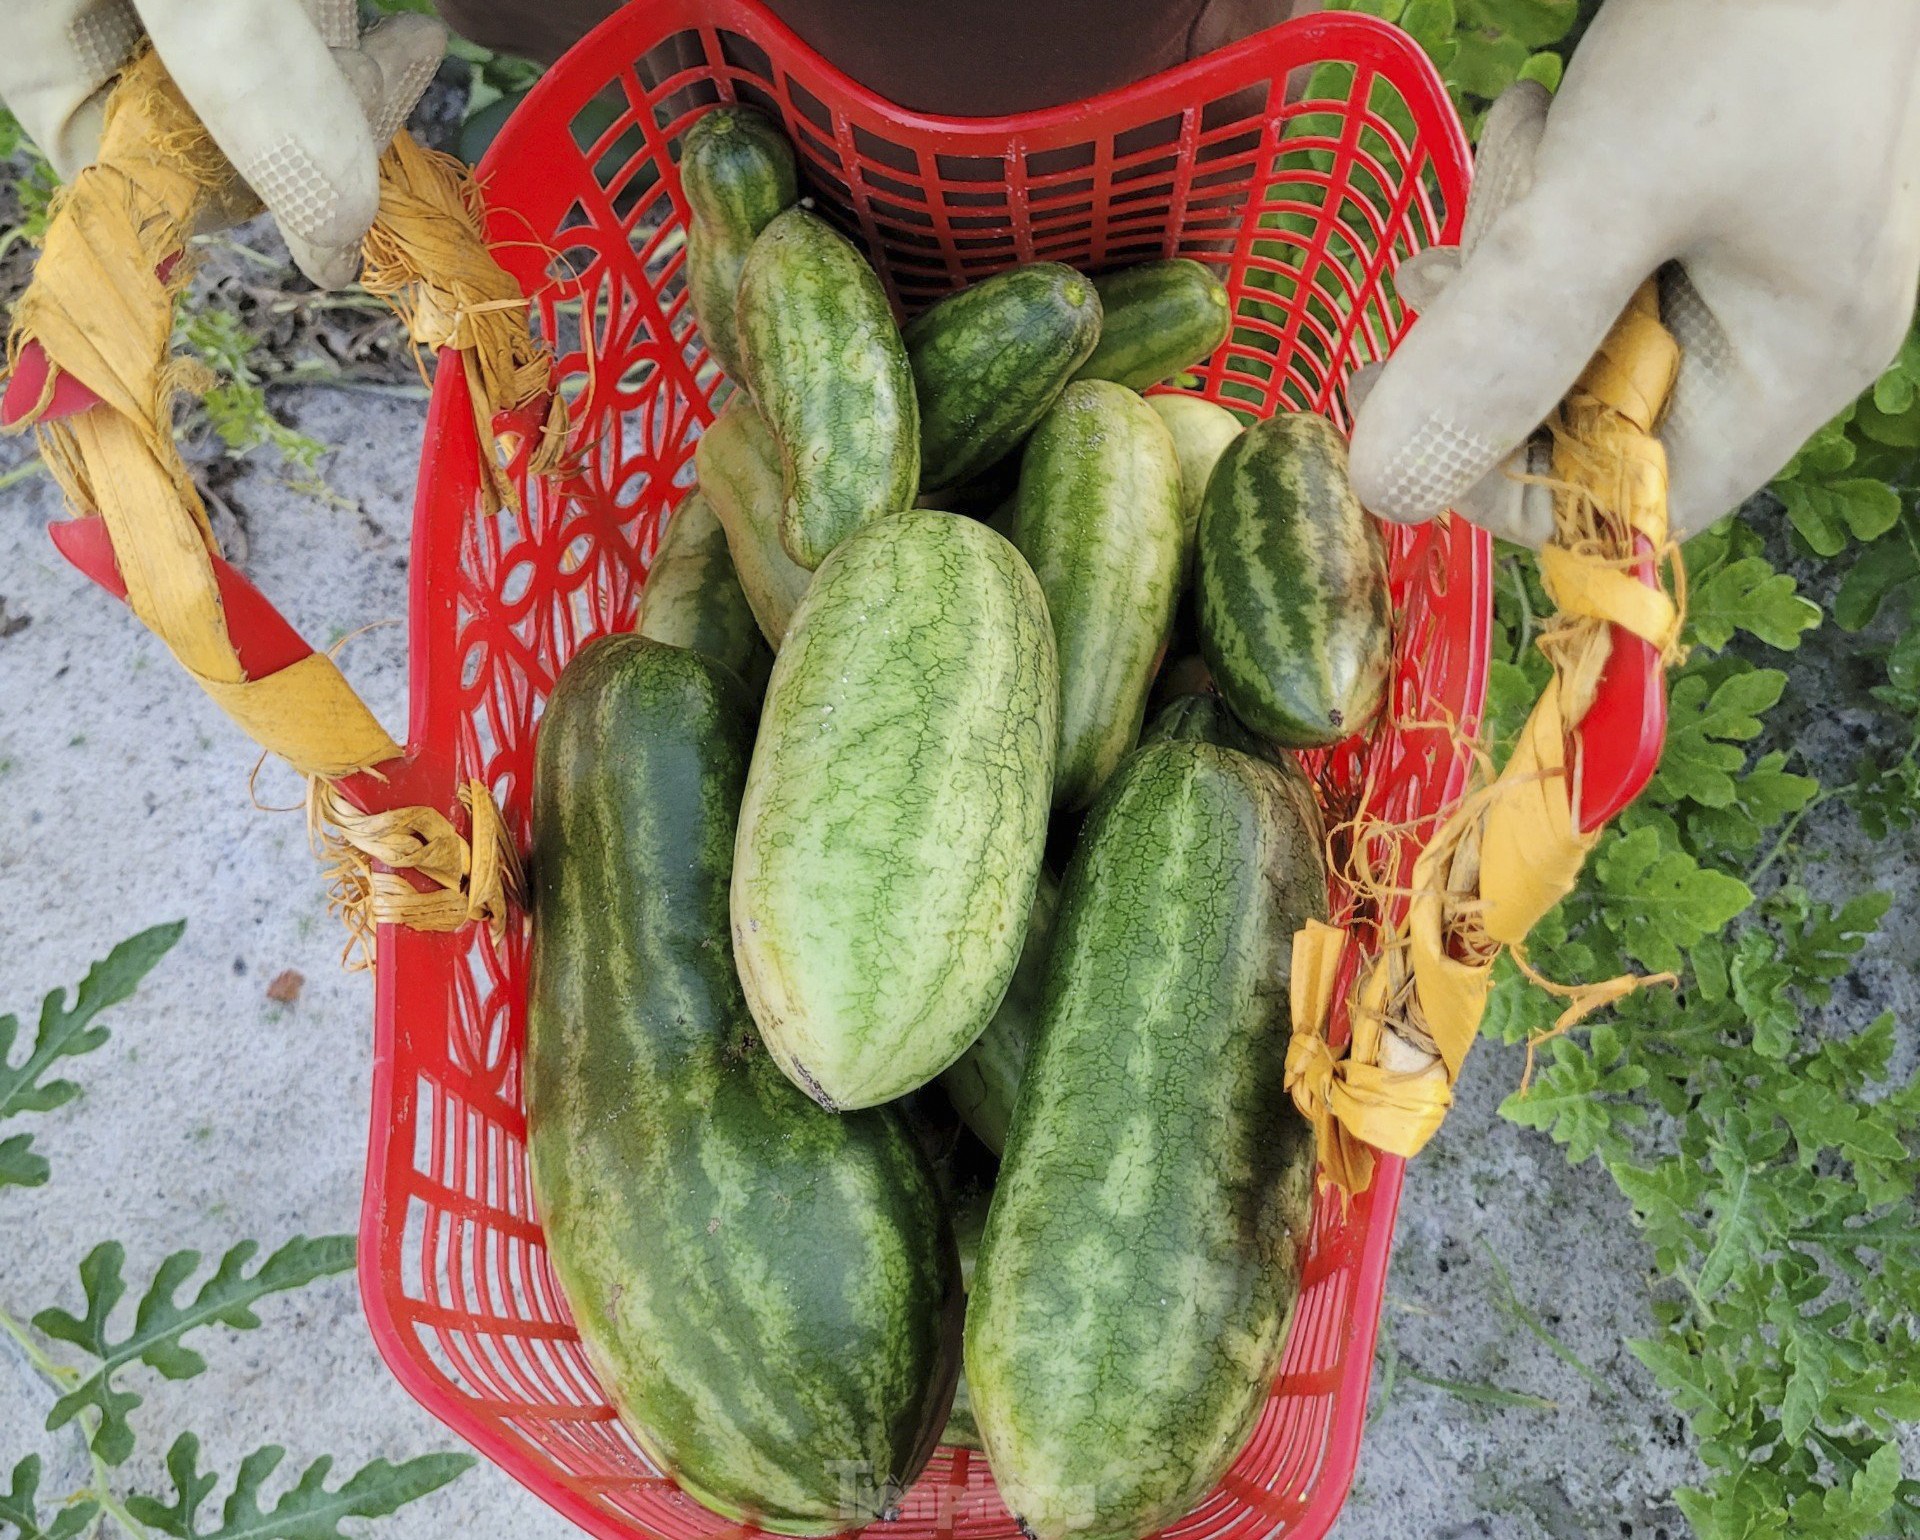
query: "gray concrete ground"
216, 1115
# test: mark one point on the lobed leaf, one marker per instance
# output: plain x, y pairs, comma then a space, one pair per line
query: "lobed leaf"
1869, 584
1711, 713
1748, 595
1766, 795
19, 1166
1660, 900
309, 1510
67, 1031
1827, 514
162, 1321
20, 1508
1566, 1100
1734, 1234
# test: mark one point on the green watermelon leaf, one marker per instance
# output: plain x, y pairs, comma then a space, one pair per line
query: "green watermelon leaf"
1748, 595
309, 1510
1709, 721
161, 1321
20, 1508
1869, 584
1827, 514
67, 1030
1660, 900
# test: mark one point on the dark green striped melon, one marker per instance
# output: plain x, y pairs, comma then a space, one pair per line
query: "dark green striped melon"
736, 169
768, 1292
1141, 1257
989, 360
1295, 617
1156, 320
1202, 717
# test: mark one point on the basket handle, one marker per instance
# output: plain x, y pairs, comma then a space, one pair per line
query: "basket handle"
90, 344
1513, 847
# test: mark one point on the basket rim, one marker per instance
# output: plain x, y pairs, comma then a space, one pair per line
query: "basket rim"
1309, 28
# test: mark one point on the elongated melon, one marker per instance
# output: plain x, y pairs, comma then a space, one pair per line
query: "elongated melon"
896, 812
1141, 1258
769, 1292
830, 375
739, 468
1098, 518
737, 171
693, 597
989, 360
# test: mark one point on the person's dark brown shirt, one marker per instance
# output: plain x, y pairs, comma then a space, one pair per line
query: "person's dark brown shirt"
970, 58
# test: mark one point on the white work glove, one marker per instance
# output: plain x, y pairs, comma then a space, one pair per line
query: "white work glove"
1763, 156
290, 90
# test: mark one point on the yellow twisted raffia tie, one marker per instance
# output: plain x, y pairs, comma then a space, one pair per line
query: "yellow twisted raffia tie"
1513, 847
474, 879
101, 314
427, 256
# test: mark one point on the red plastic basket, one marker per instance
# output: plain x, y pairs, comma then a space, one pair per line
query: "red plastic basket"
1305, 187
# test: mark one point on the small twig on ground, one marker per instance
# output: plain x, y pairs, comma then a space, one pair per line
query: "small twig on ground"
1483, 1393
26, 470
1511, 1304
1389, 1373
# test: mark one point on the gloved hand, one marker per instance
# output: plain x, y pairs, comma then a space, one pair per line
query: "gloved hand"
296, 97
1763, 156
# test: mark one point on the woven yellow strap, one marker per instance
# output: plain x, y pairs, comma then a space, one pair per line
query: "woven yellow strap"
1513, 847
101, 314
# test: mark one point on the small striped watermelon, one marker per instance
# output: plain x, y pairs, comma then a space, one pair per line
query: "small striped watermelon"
1295, 619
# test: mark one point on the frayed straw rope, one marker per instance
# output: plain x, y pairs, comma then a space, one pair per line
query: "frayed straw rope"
427, 256
102, 313
477, 879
